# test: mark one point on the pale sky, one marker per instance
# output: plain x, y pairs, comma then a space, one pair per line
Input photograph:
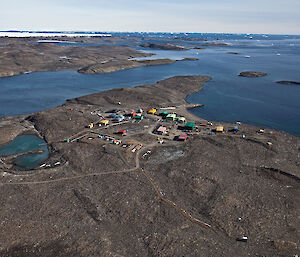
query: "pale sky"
232, 16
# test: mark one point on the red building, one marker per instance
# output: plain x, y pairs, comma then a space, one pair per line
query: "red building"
122, 132
182, 137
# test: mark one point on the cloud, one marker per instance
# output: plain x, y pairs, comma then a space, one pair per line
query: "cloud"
258, 16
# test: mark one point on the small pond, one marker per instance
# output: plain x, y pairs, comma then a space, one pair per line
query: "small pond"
23, 144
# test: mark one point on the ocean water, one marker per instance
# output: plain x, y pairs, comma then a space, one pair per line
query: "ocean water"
227, 97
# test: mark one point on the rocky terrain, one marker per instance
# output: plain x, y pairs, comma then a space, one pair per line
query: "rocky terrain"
202, 46
252, 74
166, 46
115, 65
86, 55
18, 56
215, 44
287, 82
193, 198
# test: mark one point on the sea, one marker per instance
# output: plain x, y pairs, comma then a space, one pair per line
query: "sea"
226, 98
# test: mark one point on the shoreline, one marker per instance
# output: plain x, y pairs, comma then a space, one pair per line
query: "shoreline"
33, 56
91, 100
185, 99
81, 56
30, 127
104, 69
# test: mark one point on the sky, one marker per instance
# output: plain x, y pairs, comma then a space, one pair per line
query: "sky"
215, 16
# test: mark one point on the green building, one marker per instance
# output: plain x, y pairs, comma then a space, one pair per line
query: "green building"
190, 125
163, 113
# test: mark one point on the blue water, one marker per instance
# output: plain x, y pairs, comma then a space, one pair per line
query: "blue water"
22, 144
228, 97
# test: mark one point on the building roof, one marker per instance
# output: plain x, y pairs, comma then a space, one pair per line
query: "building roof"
219, 129
182, 137
162, 129
152, 111
171, 115
190, 124
163, 112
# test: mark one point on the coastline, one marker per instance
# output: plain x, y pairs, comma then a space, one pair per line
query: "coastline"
85, 55
83, 52
180, 190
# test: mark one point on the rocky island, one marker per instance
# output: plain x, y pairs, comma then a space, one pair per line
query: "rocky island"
115, 65
252, 74
288, 82
139, 175
35, 54
86, 55
214, 44
166, 46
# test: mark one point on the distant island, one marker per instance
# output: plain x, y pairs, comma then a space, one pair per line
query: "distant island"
252, 74
115, 65
164, 46
215, 44
60, 53
287, 82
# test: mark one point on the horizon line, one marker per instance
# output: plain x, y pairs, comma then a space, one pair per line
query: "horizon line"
148, 32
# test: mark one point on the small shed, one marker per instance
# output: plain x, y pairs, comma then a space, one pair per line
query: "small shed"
182, 137
161, 130
119, 118
122, 132
163, 113
152, 111
220, 129
139, 117
190, 125
113, 115
91, 125
235, 128
180, 119
104, 122
171, 116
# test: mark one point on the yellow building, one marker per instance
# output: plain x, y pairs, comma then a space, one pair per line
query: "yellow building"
91, 125
104, 122
152, 111
219, 129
